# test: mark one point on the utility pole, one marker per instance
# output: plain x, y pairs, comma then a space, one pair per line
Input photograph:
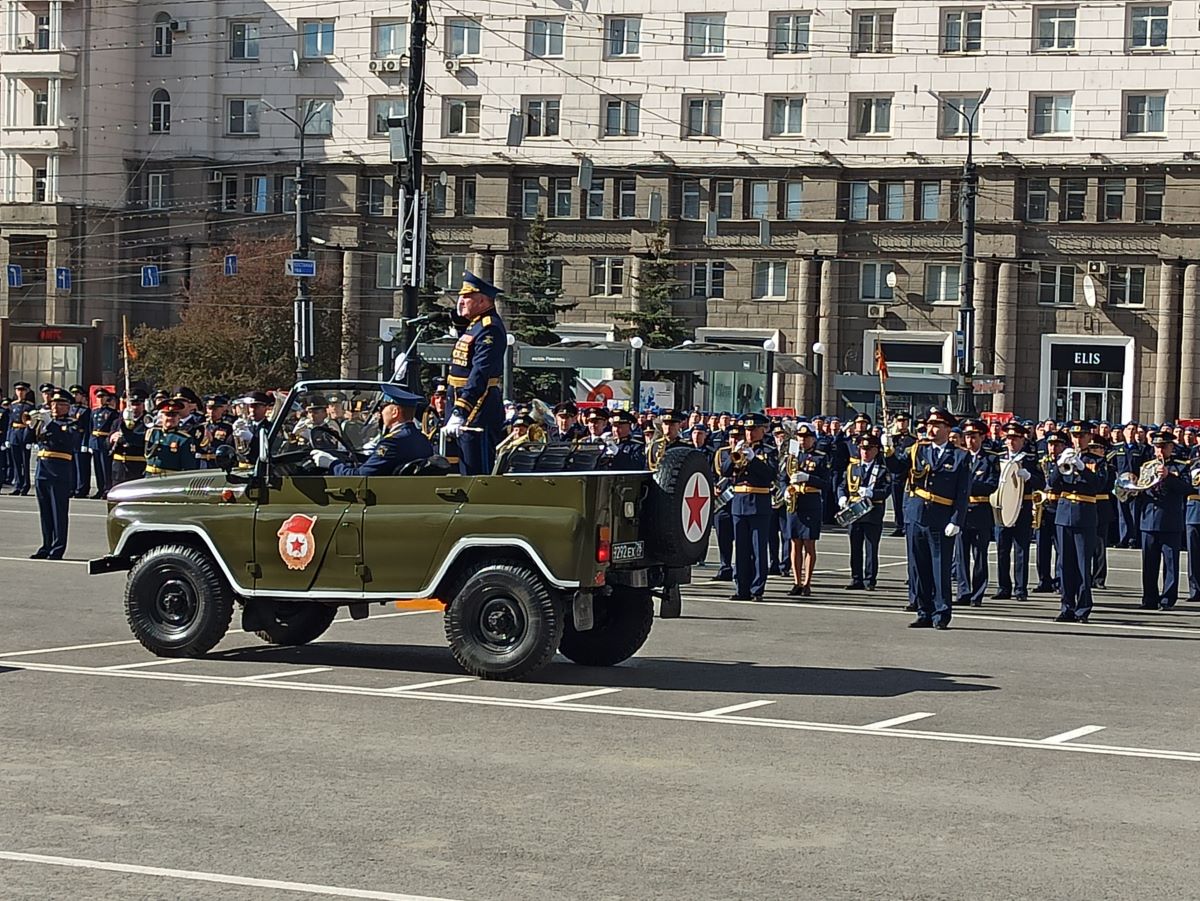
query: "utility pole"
412, 206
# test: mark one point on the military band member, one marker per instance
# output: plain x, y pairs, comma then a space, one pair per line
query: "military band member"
1192, 525
597, 427
566, 429
902, 440
804, 479
81, 416
20, 436
316, 429
1049, 559
57, 440
191, 417
1073, 477
258, 405
671, 425
625, 450
723, 518
216, 432
1106, 515
971, 546
752, 467
1131, 453
476, 367
1162, 523
105, 420
5, 462
779, 545
169, 447
401, 440
865, 479
1012, 542
129, 441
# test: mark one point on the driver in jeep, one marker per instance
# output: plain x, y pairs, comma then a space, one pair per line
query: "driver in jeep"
402, 440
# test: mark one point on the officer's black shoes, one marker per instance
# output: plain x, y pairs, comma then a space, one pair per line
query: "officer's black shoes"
921, 624
943, 626
911, 607
739, 597
976, 603
1044, 589
1082, 619
1002, 596
897, 533
1064, 618
54, 556
723, 577
40, 555
870, 586
1021, 597
1166, 605
856, 586
757, 598
774, 571
1099, 583
796, 591
1151, 606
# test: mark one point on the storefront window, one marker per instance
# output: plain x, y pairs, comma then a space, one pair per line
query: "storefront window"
737, 392
1088, 381
59, 364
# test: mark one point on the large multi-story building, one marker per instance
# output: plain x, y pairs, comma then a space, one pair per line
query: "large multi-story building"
138, 133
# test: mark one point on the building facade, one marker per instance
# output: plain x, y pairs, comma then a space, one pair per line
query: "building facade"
804, 160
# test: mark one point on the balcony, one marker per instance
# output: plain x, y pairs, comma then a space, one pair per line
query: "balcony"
39, 63
28, 139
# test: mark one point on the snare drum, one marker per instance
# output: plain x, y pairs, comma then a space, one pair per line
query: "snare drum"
853, 512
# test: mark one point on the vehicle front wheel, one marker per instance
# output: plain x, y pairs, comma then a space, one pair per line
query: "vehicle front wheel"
176, 602
621, 625
503, 623
289, 622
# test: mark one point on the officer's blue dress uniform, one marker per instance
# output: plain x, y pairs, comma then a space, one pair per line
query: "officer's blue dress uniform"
1192, 528
723, 522
402, 444
57, 442
1075, 521
866, 531
1129, 458
1012, 543
5, 462
1162, 525
971, 545
476, 370
900, 444
81, 416
20, 438
105, 421
751, 508
805, 518
1049, 557
1106, 514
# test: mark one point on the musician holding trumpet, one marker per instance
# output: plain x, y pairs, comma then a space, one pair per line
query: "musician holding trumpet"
863, 494
752, 467
1163, 511
1074, 479
803, 477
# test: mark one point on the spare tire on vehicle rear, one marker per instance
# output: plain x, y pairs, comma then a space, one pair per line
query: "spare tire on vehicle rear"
677, 511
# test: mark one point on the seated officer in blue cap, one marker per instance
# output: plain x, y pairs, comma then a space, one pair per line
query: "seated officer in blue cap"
476, 368
57, 441
402, 440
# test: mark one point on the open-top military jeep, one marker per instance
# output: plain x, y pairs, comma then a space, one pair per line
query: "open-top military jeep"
550, 553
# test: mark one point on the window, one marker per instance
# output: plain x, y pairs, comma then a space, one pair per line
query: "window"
462, 37
314, 193
164, 37
545, 37
1145, 114
462, 116
785, 116
229, 194
929, 194
689, 205
448, 270
531, 197
594, 199
465, 193
41, 33
722, 198
160, 112
41, 108
260, 194
789, 33
626, 191
1127, 286
872, 116
390, 38
385, 270
1051, 114
541, 117
243, 40
958, 114
891, 201
435, 191
760, 193
316, 114
241, 116
560, 197
623, 35
708, 279
859, 193
622, 117
1112, 199
1072, 199
793, 200
1148, 27
941, 283
41, 181
872, 32
316, 38
769, 279
608, 276
962, 31
872, 283
1056, 285
378, 191
158, 190
384, 108
1037, 199
1055, 28
1150, 199
704, 35
703, 117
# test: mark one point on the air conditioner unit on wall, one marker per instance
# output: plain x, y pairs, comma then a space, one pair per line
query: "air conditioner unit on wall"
1097, 267
876, 310
453, 64
216, 176
178, 25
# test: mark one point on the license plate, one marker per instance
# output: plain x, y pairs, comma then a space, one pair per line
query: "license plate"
629, 550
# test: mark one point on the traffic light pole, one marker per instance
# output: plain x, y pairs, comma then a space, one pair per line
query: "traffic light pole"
411, 204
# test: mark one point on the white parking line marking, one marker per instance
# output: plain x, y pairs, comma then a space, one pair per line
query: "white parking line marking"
1073, 734
292, 672
44, 562
898, 720
305, 888
997, 741
164, 661
580, 695
734, 708
69, 647
455, 681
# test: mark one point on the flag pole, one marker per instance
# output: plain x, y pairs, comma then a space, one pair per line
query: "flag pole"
881, 367
125, 353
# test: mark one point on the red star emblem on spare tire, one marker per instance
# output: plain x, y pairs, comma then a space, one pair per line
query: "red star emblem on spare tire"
696, 504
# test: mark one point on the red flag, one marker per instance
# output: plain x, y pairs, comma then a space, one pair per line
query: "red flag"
130, 350
881, 362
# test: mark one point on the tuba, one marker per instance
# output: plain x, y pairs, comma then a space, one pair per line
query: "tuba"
1007, 499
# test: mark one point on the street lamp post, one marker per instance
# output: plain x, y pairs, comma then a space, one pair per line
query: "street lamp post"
818, 350
769, 392
635, 372
964, 402
509, 350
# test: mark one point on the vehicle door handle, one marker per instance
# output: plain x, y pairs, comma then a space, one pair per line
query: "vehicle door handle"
340, 494
452, 494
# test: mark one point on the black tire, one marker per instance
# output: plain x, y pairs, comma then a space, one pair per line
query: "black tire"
503, 623
290, 622
176, 602
621, 625
675, 532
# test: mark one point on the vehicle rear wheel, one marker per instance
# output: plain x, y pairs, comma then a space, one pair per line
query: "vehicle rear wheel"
503, 623
621, 625
176, 602
289, 622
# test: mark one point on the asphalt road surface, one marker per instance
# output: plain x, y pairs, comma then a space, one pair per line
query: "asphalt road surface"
809, 750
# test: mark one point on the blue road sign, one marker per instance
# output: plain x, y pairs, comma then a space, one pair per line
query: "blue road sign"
14, 276
300, 268
151, 277
62, 278
231, 264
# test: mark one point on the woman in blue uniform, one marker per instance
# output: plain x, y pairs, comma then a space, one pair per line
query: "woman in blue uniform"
804, 477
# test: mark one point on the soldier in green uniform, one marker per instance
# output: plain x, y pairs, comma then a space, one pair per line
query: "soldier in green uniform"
169, 447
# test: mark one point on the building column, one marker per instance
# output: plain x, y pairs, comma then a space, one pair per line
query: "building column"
500, 280
1004, 361
810, 271
635, 276
1166, 363
1189, 392
351, 316
57, 305
985, 316
4, 299
827, 334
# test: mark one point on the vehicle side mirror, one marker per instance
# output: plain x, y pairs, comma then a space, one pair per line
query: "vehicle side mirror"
226, 458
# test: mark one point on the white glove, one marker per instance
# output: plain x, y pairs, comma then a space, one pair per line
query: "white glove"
886, 440
843, 502
749, 452
1078, 463
321, 458
951, 530
1024, 475
799, 478
864, 492
245, 434
454, 425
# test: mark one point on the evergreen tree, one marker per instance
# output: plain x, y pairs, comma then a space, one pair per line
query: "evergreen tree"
533, 308
656, 286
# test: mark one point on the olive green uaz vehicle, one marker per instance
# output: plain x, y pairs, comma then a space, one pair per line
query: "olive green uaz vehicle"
550, 553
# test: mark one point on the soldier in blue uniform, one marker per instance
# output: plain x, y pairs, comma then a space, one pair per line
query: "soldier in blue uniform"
971, 546
169, 448
1129, 456
5, 462
1049, 557
81, 416
401, 439
566, 429
625, 451
1192, 525
902, 440
476, 367
1106, 513
258, 405
105, 419
1162, 523
57, 441
866, 478
20, 436
1017, 538
938, 489
129, 443
753, 470
804, 479
723, 518
1073, 477
216, 431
